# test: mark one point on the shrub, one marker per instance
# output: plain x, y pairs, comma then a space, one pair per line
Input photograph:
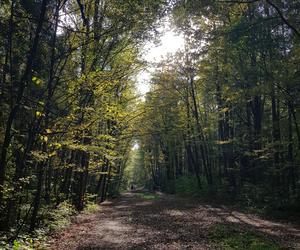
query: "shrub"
59, 218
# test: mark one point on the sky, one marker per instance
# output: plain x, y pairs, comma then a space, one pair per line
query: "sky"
170, 42
135, 146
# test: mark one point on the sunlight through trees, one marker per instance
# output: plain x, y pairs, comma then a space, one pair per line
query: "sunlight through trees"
193, 98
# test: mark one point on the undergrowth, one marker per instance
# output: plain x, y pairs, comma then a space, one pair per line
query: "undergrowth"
51, 221
227, 238
251, 198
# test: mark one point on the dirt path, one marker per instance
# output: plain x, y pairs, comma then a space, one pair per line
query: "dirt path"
136, 222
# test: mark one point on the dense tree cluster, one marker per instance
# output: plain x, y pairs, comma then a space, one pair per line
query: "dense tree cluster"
221, 119
65, 95
224, 113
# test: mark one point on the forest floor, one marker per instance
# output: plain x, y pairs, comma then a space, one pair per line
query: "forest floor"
145, 221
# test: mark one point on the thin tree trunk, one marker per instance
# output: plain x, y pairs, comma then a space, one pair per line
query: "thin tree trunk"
37, 197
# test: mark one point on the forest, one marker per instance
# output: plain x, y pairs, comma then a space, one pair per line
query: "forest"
220, 121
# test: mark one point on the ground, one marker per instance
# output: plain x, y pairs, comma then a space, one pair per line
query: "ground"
146, 221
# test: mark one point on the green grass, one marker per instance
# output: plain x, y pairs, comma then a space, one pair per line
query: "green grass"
228, 237
146, 196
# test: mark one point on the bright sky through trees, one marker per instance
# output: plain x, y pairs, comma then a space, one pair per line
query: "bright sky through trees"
170, 42
198, 99
135, 146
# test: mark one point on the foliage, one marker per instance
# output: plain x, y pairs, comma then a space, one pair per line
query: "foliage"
134, 173
57, 219
187, 186
229, 237
66, 92
146, 196
221, 117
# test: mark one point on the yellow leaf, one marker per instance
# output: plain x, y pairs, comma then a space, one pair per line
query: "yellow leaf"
57, 145
223, 142
52, 154
103, 173
224, 110
38, 113
48, 131
44, 138
36, 80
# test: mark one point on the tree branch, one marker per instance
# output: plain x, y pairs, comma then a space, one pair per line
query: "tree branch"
283, 18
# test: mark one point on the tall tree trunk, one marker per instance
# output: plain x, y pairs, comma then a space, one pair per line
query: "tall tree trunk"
22, 85
203, 148
290, 159
191, 161
276, 138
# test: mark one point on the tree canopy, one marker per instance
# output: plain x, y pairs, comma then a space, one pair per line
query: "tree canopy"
221, 118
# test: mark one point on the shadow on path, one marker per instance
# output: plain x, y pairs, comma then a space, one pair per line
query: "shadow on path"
166, 222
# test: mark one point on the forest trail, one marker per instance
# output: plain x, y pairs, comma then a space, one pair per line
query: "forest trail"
145, 221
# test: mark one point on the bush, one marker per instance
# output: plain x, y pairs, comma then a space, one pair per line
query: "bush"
187, 186
92, 207
59, 218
